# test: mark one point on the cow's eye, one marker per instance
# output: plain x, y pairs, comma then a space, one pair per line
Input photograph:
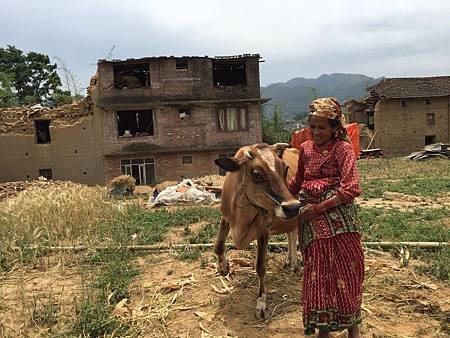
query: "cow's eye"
257, 177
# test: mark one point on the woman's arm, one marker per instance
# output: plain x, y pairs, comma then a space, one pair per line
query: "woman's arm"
349, 183
349, 178
295, 183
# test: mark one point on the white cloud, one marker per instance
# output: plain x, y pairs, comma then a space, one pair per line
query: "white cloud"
297, 38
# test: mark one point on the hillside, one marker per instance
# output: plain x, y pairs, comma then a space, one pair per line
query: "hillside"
296, 94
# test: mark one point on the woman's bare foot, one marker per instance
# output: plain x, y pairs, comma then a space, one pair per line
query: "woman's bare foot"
353, 332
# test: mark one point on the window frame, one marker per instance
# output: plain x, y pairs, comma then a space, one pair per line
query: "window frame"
179, 64
431, 122
239, 108
47, 127
141, 162
187, 156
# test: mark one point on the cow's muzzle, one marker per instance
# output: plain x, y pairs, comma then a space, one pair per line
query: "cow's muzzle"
289, 209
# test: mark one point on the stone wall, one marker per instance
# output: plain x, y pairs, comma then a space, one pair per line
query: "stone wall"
402, 129
170, 166
74, 154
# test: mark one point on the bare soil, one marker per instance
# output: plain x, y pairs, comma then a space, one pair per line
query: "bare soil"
176, 298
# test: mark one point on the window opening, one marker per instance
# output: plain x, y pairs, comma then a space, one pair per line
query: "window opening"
403, 103
42, 131
427, 101
143, 170
231, 118
370, 121
184, 113
229, 73
181, 64
186, 159
430, 120
131, 76
131, 123
47, 173
430, 139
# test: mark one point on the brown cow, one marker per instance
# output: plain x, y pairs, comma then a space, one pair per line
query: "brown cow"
256, 203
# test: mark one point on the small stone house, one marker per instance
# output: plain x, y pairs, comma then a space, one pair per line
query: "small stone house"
405, 113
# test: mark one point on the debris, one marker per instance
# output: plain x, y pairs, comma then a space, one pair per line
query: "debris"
204, 315
177, 284
122, 185
371, 153
437, 150
20, 120
185, 191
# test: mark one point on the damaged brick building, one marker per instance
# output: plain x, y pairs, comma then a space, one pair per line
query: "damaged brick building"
155, 118
405, 113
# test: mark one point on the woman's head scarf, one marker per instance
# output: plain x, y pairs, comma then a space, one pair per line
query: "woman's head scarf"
330, 108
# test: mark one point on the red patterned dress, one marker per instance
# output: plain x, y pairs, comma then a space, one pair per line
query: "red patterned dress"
331, 243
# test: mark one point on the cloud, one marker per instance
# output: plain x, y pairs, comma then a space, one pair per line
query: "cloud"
297, 38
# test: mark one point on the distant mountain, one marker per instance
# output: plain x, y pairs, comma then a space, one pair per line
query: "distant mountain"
295, 95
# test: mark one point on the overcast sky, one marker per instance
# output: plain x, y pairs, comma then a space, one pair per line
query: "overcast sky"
295, 37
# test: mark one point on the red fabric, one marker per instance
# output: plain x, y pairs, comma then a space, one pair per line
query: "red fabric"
322, 170
300, 136
332, 280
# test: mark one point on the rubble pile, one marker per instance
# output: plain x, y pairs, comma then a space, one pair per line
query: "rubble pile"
20, 120
11, 189
437, 150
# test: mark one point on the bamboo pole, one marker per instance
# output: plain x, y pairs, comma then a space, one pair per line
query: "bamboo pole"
373, 138
169, 247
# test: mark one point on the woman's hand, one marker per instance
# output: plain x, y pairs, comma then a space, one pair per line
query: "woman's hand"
309, 212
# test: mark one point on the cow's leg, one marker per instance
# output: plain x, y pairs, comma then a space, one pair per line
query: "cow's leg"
293, 263
261, 308
219, 247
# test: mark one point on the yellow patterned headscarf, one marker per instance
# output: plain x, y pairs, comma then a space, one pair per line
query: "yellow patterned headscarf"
327, 107
330, 108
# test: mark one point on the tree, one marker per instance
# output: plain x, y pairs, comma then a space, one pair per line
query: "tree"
33, 77
273, 128
7, 91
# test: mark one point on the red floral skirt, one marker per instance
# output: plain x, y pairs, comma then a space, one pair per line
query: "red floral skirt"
332, 282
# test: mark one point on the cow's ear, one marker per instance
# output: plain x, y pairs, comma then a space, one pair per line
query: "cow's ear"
228, 163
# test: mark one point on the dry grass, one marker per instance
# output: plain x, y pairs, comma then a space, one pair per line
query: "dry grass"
64, 214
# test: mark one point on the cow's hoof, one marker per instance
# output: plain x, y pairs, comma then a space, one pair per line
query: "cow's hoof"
262, 313
223, 268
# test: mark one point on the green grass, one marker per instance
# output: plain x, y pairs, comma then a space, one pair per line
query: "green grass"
151, 227
428, 179
206, 233
94, 319
111, 272
437, 264
424, 186
380, 224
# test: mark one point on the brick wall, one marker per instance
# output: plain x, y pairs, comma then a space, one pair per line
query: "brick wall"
199, 131
170, 166
402, 129
168, 83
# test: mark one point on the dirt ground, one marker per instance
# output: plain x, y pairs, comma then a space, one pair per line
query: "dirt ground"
401, 201
173, 298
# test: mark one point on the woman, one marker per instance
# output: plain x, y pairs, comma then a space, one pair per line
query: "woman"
328, 182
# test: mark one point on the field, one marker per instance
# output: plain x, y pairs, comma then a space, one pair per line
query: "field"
122, 293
